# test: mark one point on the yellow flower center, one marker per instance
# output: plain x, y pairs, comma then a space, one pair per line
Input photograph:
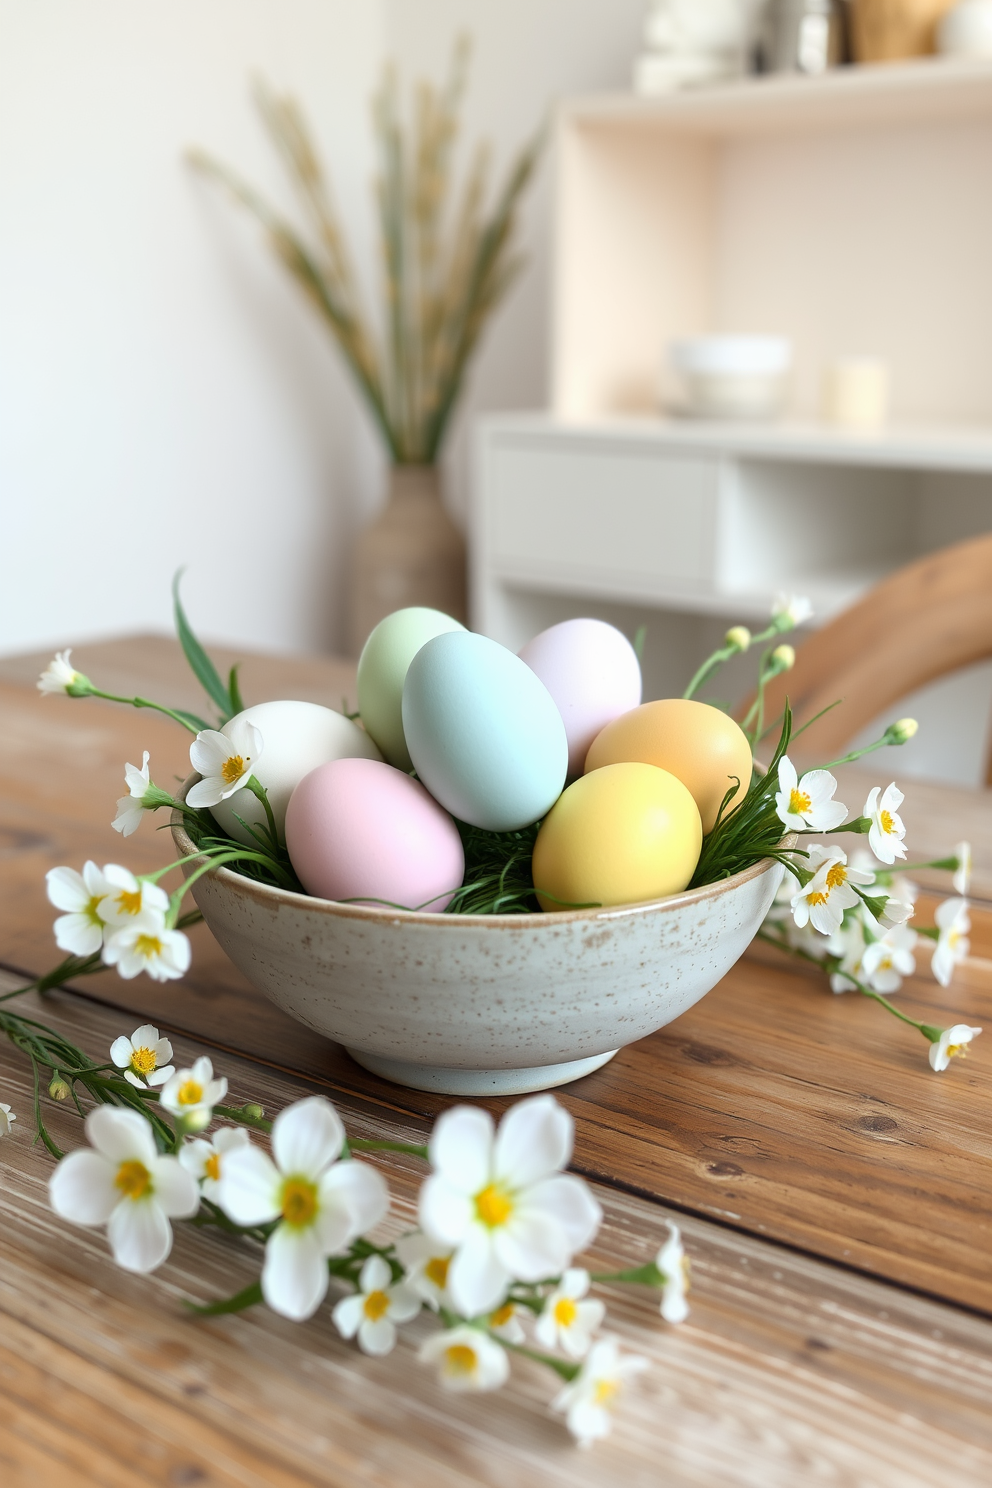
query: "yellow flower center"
799, 802
886, 822
133, 1179
299, 1201
493, 1206
190, 1093
91, 909
376, 1305
148, 946
836, 876
232, 769
459, 1359
129, 902
565, 1312
212, 1166
605, 1392
953, 1049
816, 898
501, 1316
143, 1060
436, 1271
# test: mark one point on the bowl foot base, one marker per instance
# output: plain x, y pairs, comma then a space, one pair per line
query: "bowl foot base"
479, 1082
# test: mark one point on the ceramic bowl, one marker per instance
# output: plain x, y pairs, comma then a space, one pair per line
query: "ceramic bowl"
482, 1004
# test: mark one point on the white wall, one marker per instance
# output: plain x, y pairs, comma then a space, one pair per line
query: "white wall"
165, 398
164, 395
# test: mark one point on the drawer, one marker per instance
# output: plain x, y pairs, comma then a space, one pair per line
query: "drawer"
607, 514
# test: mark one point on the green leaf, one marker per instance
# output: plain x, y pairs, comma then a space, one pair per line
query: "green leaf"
234, 691
203, 668
250, 1297
193, 719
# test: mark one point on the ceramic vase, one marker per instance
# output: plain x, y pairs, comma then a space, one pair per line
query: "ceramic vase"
411, 554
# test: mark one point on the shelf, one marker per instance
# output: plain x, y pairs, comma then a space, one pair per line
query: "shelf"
899, 447
845, 97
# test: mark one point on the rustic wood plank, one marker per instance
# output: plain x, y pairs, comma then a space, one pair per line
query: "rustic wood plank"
788, 1370
773, 1105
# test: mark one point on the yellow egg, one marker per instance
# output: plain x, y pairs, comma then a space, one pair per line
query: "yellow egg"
701, 746
622, 835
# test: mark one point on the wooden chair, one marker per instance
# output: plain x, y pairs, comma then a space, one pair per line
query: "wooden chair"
921, 623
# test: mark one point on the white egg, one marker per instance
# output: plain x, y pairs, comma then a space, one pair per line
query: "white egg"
296, 738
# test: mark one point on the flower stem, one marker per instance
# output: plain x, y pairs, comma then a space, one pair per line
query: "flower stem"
567, 1371
140, 702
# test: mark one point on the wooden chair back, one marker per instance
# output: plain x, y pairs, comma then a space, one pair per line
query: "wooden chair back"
919, 624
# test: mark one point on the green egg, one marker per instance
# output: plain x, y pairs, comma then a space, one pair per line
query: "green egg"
382, 669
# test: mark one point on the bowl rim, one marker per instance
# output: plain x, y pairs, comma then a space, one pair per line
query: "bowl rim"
270, 895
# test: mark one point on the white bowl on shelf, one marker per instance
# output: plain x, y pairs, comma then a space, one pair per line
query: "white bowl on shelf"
732, 377
476, 1005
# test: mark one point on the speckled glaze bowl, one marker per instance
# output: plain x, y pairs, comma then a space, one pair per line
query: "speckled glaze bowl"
482, 1004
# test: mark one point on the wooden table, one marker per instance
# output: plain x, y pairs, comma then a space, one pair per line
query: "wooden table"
834, 1195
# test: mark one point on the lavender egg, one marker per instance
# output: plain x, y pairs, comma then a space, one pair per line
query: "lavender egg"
360, 830
592, 672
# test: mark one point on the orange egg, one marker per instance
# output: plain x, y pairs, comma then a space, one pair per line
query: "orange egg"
695, 742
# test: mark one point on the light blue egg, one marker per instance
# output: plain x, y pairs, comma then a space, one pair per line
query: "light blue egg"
483, 732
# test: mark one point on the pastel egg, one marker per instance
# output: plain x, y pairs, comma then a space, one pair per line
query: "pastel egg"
622, 835
483, 732
296, 738
358, 829
698, 743
382, 669
592, 672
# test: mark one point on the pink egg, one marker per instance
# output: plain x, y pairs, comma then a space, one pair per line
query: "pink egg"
592, 672
358, 829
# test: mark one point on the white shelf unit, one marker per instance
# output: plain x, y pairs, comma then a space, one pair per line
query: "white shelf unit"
852, 213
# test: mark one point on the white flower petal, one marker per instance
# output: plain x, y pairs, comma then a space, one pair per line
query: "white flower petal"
294, 1277
249, 1187
461, 1146
477, 1280
77, 934
121, 1136
175, 1188
375, 1275
140, 1235
404, 1303
307, 1137
353, 1197
534, 1140
348, 1314
377, 1336
532, 1244
445, 1212
67, 890
82, 1188
570, 1201
120, 1052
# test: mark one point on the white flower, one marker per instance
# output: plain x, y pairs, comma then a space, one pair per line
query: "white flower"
953, 945
127, 898
673, 1264
225, 760
81, 930
824, 899
847, 943
895, 912
375, 1309
193, 1093
7, 1119
321, 1204
962, 873
791, 610
501, 1201
886, 961
505, 1323
887, 831
807, 804
953, 1041
60, 675
567, 1322
144, 1057
467, 1359
123, 1182
426, 1264
205, 1159
131, 808
590, 1398
149, 947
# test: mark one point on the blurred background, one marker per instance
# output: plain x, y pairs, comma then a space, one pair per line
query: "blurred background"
168, 397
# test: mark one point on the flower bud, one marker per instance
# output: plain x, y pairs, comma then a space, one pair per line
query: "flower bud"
904, 729
783, 660
254, 1112
738, 636
59, 1089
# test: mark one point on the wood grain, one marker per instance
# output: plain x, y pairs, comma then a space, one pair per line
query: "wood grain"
788, 1371
772, 1106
